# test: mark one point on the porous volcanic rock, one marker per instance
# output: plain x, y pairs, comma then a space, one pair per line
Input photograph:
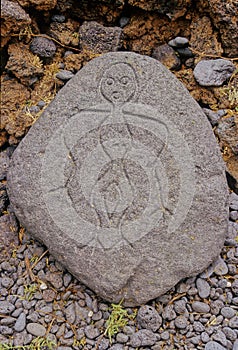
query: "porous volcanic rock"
120, 177
13, 19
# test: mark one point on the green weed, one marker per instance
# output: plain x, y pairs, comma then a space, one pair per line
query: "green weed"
118, 319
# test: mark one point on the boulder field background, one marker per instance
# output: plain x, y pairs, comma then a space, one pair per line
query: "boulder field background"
43, 44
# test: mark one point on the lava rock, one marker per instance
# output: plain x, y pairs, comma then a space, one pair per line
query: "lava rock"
14, 18
96, 38
122, 85
149, 318
143, 337
213, 72
43, 47
167, 56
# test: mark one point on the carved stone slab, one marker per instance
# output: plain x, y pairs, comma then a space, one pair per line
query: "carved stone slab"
122, 179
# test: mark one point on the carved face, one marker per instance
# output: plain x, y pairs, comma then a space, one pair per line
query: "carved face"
118, 83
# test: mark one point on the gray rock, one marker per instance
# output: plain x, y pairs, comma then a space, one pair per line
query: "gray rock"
198, 326
6, 321
6, 307
213, 345
233, 199
122, 338
20, 323
149, 318
36, 329
5, 330
4, 164
143, 337
228, 312
203, 288
213, 72
169, 313
205, 337
181, 322
235, 346
220, 337
229, 333
220, 267
6, 282
43, 47
96, 173
58, 18
185, 52
124, 21
178, 42
180, 306
233, 323
234, 215
200, 307
212, 116
234, 287
117, 347
91, 332
96, 38
64, 75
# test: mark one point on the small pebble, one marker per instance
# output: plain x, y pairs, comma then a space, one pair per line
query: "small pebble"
178, 42
124, 21
200, 307
203, 288
213, 345
36, 329
20, 323
143, 337
64, 75
58, 18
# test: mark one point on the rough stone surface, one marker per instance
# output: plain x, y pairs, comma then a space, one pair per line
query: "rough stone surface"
94, 37
149, 318
166, 55
43, 47
124, 125
13, 18
213, 72
144, 337
213, 345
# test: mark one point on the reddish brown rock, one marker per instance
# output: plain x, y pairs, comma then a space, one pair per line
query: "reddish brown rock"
24, 64
173, 8
13, 19
166, 55
14, 98
66, 33
99, 39
224, 17
203, 37
40, 5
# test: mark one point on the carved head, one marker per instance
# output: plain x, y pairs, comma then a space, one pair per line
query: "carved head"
118, 83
